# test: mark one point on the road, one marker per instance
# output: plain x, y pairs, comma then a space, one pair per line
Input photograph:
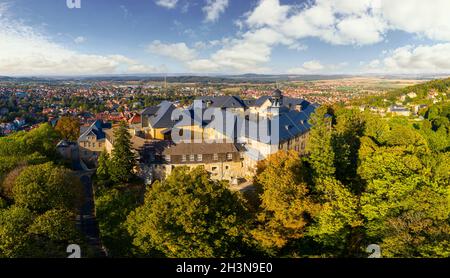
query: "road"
87, 221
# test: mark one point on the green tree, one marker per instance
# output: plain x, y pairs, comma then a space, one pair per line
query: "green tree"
189, 215
68, 128
25, 234
421, 229
334, 144
319, 146
46, 186
123, 159
51, 233
338, 224
112, 208
286, 204
42, 139
103, 167
14, 239
350, 126
406, 199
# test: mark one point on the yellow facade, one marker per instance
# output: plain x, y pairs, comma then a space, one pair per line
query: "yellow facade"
91, 148
218, 170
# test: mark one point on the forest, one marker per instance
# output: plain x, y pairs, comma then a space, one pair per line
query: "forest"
367, 180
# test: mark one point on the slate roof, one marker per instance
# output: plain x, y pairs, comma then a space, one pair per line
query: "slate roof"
202, 148
224, 101
260, 101
96, 128
285, 101
160, 116
291, 123
150, 111
398, 109
292, 102
277, 93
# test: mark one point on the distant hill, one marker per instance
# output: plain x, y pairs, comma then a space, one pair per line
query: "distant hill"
245, 78
205, 79
421, 91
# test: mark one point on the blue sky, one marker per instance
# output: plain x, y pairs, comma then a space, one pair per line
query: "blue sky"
45, 37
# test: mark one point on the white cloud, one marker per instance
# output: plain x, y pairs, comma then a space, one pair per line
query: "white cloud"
355, 30
426, 18
414, 59
316, 67
313, 66
169, 4
239, 24
339, 22
213, 9
298, 46
343, 22
25, 51
246, 54
200, 45
363, 22
267, 12
177, 51
203, 65
79, 40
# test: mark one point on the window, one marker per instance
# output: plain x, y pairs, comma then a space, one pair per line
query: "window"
227, 167
99, 145
168, 158
214, 168
93, 145
199, 157
215, 156
303, 145
191, 157
183, 158
241, 155
229, 156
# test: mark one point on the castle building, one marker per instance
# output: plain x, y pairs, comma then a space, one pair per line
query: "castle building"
248, 132
92, 141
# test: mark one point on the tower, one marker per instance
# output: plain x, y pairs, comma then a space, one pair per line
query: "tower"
277, 101
277, 98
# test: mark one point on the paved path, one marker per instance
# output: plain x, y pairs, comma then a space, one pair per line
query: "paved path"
246, 186
87, 221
